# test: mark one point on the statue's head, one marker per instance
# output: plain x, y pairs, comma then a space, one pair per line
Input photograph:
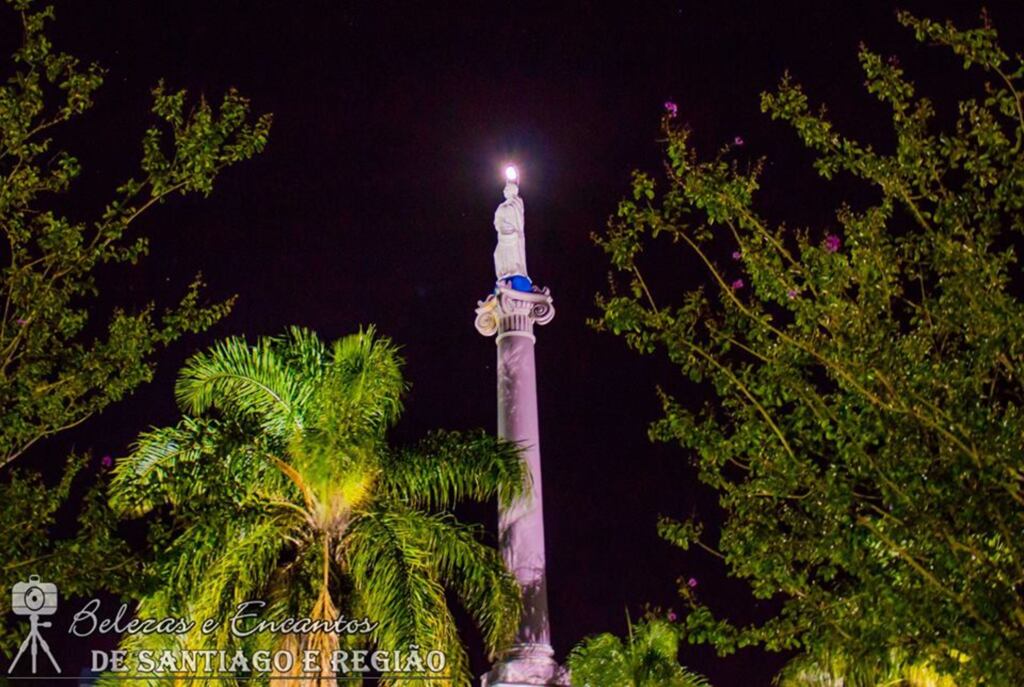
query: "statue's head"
511, 190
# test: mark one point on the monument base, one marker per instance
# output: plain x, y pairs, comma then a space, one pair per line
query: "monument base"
527, 665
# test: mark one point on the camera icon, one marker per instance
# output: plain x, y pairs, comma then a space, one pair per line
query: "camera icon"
34, 597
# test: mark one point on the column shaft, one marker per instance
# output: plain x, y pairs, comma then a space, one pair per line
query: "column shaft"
521, 524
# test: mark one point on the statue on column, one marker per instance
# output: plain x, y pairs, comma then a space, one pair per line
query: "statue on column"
510, 253
514, 292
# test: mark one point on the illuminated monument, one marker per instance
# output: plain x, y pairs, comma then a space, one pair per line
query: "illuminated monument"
510, 312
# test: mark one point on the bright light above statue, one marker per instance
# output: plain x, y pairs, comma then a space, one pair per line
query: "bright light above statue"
511, 174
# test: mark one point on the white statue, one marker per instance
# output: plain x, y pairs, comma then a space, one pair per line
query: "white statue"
509, 220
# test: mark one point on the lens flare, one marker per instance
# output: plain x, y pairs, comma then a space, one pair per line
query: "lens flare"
511, 174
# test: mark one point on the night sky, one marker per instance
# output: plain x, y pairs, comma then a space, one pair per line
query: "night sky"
374, 199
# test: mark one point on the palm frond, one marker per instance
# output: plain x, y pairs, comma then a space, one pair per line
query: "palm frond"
191, 465
362, 395
600, 661
244, 380
654, 646
449, 467
474, 572
150, 473
204, 543
648, 658
157, 606
243, 569
391, 571
302, 352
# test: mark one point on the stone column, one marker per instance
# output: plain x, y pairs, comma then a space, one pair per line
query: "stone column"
511, 314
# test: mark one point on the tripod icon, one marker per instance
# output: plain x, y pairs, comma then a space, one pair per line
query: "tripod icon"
36, 641
34, 598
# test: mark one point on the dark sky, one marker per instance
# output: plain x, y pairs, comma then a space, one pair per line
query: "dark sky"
373, 204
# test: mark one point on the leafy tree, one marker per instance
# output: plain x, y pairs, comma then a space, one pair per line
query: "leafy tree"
648, 658
836, 670
865, 433
283, 488
54, 372
51, 376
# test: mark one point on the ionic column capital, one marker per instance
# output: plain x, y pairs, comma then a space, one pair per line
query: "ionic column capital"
508, 312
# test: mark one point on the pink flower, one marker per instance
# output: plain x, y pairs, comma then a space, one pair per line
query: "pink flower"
737, 284
791, 293
738, 141
671, 108
22, 321
106, 461
692, 583
672, 616
832, 243
736, 255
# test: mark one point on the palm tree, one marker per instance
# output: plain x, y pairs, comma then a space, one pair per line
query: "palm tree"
648, 658
282, 487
